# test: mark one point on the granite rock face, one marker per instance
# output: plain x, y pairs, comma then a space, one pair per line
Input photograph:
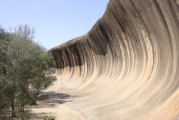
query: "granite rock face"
127, 66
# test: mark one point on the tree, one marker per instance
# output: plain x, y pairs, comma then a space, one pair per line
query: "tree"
26, 69
4, 41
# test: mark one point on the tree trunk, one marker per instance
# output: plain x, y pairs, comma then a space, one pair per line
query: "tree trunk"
22, 110
13, 109
12, 102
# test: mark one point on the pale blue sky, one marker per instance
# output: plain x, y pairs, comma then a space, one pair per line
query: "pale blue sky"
54, 21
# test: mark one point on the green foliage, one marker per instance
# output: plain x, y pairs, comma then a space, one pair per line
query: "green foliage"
4, 41
24, 69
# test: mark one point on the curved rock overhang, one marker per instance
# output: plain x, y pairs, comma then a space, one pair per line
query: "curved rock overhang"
128, 62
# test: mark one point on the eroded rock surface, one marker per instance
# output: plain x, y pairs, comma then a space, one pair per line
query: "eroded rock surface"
127, 66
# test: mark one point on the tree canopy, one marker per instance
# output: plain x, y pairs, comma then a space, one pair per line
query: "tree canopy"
24, 70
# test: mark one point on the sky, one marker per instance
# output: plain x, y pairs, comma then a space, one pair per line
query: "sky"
54, 21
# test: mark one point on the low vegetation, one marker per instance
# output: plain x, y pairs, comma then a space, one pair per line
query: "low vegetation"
24, 71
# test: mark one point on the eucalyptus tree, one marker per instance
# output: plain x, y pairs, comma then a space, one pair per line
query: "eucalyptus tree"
26, 70
4, 41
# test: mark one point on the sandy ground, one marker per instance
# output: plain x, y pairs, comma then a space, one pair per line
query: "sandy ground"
53, 104
61, 112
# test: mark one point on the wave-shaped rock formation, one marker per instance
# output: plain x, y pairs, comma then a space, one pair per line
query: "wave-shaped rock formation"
127, 66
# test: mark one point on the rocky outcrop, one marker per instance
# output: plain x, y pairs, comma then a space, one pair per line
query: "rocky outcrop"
127, 66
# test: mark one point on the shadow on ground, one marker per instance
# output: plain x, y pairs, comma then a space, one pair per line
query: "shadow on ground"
52, 98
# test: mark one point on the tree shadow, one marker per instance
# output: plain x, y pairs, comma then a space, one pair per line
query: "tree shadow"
52, 98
